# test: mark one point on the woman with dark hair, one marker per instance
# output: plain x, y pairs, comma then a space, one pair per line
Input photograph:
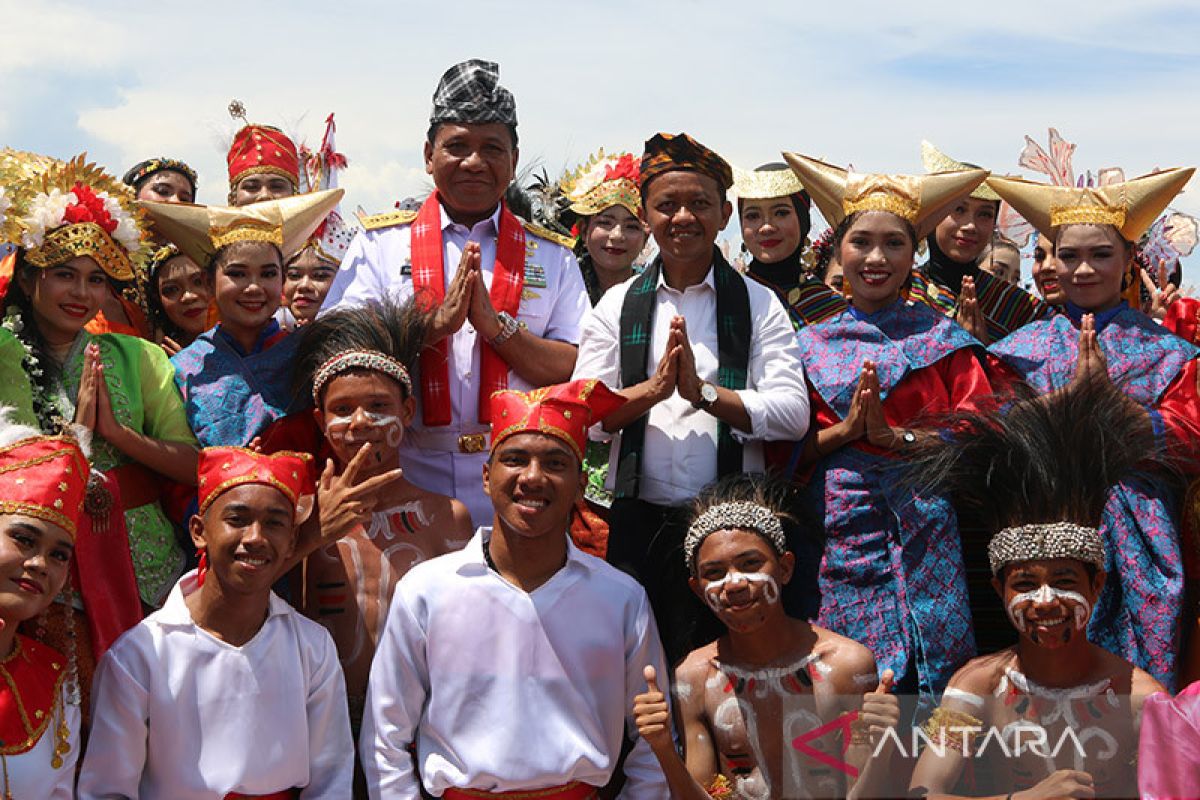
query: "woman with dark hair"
877, 368
178, 295
236, 377
952, 281
1104, 333
163, 180
78, 230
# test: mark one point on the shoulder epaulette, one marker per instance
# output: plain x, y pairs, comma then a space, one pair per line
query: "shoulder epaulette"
386, 220
545, 233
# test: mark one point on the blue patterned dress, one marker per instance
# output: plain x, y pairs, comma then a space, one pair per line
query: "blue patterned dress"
1139, 613
892, 577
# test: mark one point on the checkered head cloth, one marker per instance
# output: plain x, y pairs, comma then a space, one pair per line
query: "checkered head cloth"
470, 92
666, 152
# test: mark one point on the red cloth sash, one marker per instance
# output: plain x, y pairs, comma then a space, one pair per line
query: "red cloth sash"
28, 694
103, 570
572, 791
429, 281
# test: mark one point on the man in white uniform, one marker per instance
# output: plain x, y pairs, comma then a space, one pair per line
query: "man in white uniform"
508, 295
226, 691
512, 664
710, 366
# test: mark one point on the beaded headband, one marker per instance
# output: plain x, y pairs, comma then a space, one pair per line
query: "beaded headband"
1043, 541
741, 515
360, 359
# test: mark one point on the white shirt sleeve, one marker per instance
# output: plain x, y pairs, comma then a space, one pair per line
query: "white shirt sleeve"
396, 695
644, 777
776, 397
570, 304
600, 349
330, 744
116, 752
360, 278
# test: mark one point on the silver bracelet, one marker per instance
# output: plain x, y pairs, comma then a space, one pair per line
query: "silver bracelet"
508, 328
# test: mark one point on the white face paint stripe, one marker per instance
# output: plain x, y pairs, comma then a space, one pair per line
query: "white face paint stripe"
712, 592
339, 427
1047, 594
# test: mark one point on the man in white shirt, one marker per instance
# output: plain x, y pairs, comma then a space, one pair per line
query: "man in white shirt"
508, 295
512, 664
709, 364
226, 691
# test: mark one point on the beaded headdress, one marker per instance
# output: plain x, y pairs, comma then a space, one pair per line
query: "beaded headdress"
199, 231
144, 169
58, 210
603, 181
740, 515
1044, 541
360, 359
922, 200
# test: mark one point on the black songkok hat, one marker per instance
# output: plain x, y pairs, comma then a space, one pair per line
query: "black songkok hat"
666, 152
471, 93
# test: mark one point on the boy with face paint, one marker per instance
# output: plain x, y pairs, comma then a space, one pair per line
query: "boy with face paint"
354, 361
752, 704
226, 691
1054, 715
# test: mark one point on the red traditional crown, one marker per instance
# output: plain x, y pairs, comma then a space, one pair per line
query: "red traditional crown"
564, 411
44, 477
261, 148
223, 468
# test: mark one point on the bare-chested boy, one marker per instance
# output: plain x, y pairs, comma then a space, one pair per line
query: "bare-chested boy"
775, 708
356, 359
1054, 715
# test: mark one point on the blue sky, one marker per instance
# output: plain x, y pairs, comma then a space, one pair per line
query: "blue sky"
856, 81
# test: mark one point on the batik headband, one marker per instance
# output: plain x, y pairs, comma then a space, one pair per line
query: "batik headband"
727, 516
360, 359
144, 169
1044, 541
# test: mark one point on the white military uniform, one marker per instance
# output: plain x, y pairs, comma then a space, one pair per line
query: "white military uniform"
449, 459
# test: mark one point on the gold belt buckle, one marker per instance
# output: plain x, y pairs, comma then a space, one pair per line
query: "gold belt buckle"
472, 443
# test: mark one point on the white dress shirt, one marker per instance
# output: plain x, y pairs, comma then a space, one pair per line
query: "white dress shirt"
504, 690
680, 454
178, 714
553, 303
30, 776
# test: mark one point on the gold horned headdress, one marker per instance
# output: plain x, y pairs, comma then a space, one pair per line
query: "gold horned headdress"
603, 181
199, 231
937, 161
56, 211
1129, 206
922, 200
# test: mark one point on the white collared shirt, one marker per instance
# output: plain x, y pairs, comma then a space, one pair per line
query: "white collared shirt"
178, 714
379, 263
506, 690
680, 454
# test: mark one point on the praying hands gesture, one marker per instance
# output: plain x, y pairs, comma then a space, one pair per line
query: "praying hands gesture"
449, 317
969, 315
1091, 364
93, 406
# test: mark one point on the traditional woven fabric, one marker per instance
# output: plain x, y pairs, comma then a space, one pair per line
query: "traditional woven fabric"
808, 302
470, 92
1138, 614
1005, 306
734, 332
429, 282
665, 152
231, 397
899, 339
1143, 357
892, 577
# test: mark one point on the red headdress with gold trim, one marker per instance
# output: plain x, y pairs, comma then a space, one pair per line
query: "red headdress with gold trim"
44, 477
223, 468
261, 149
565, 411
